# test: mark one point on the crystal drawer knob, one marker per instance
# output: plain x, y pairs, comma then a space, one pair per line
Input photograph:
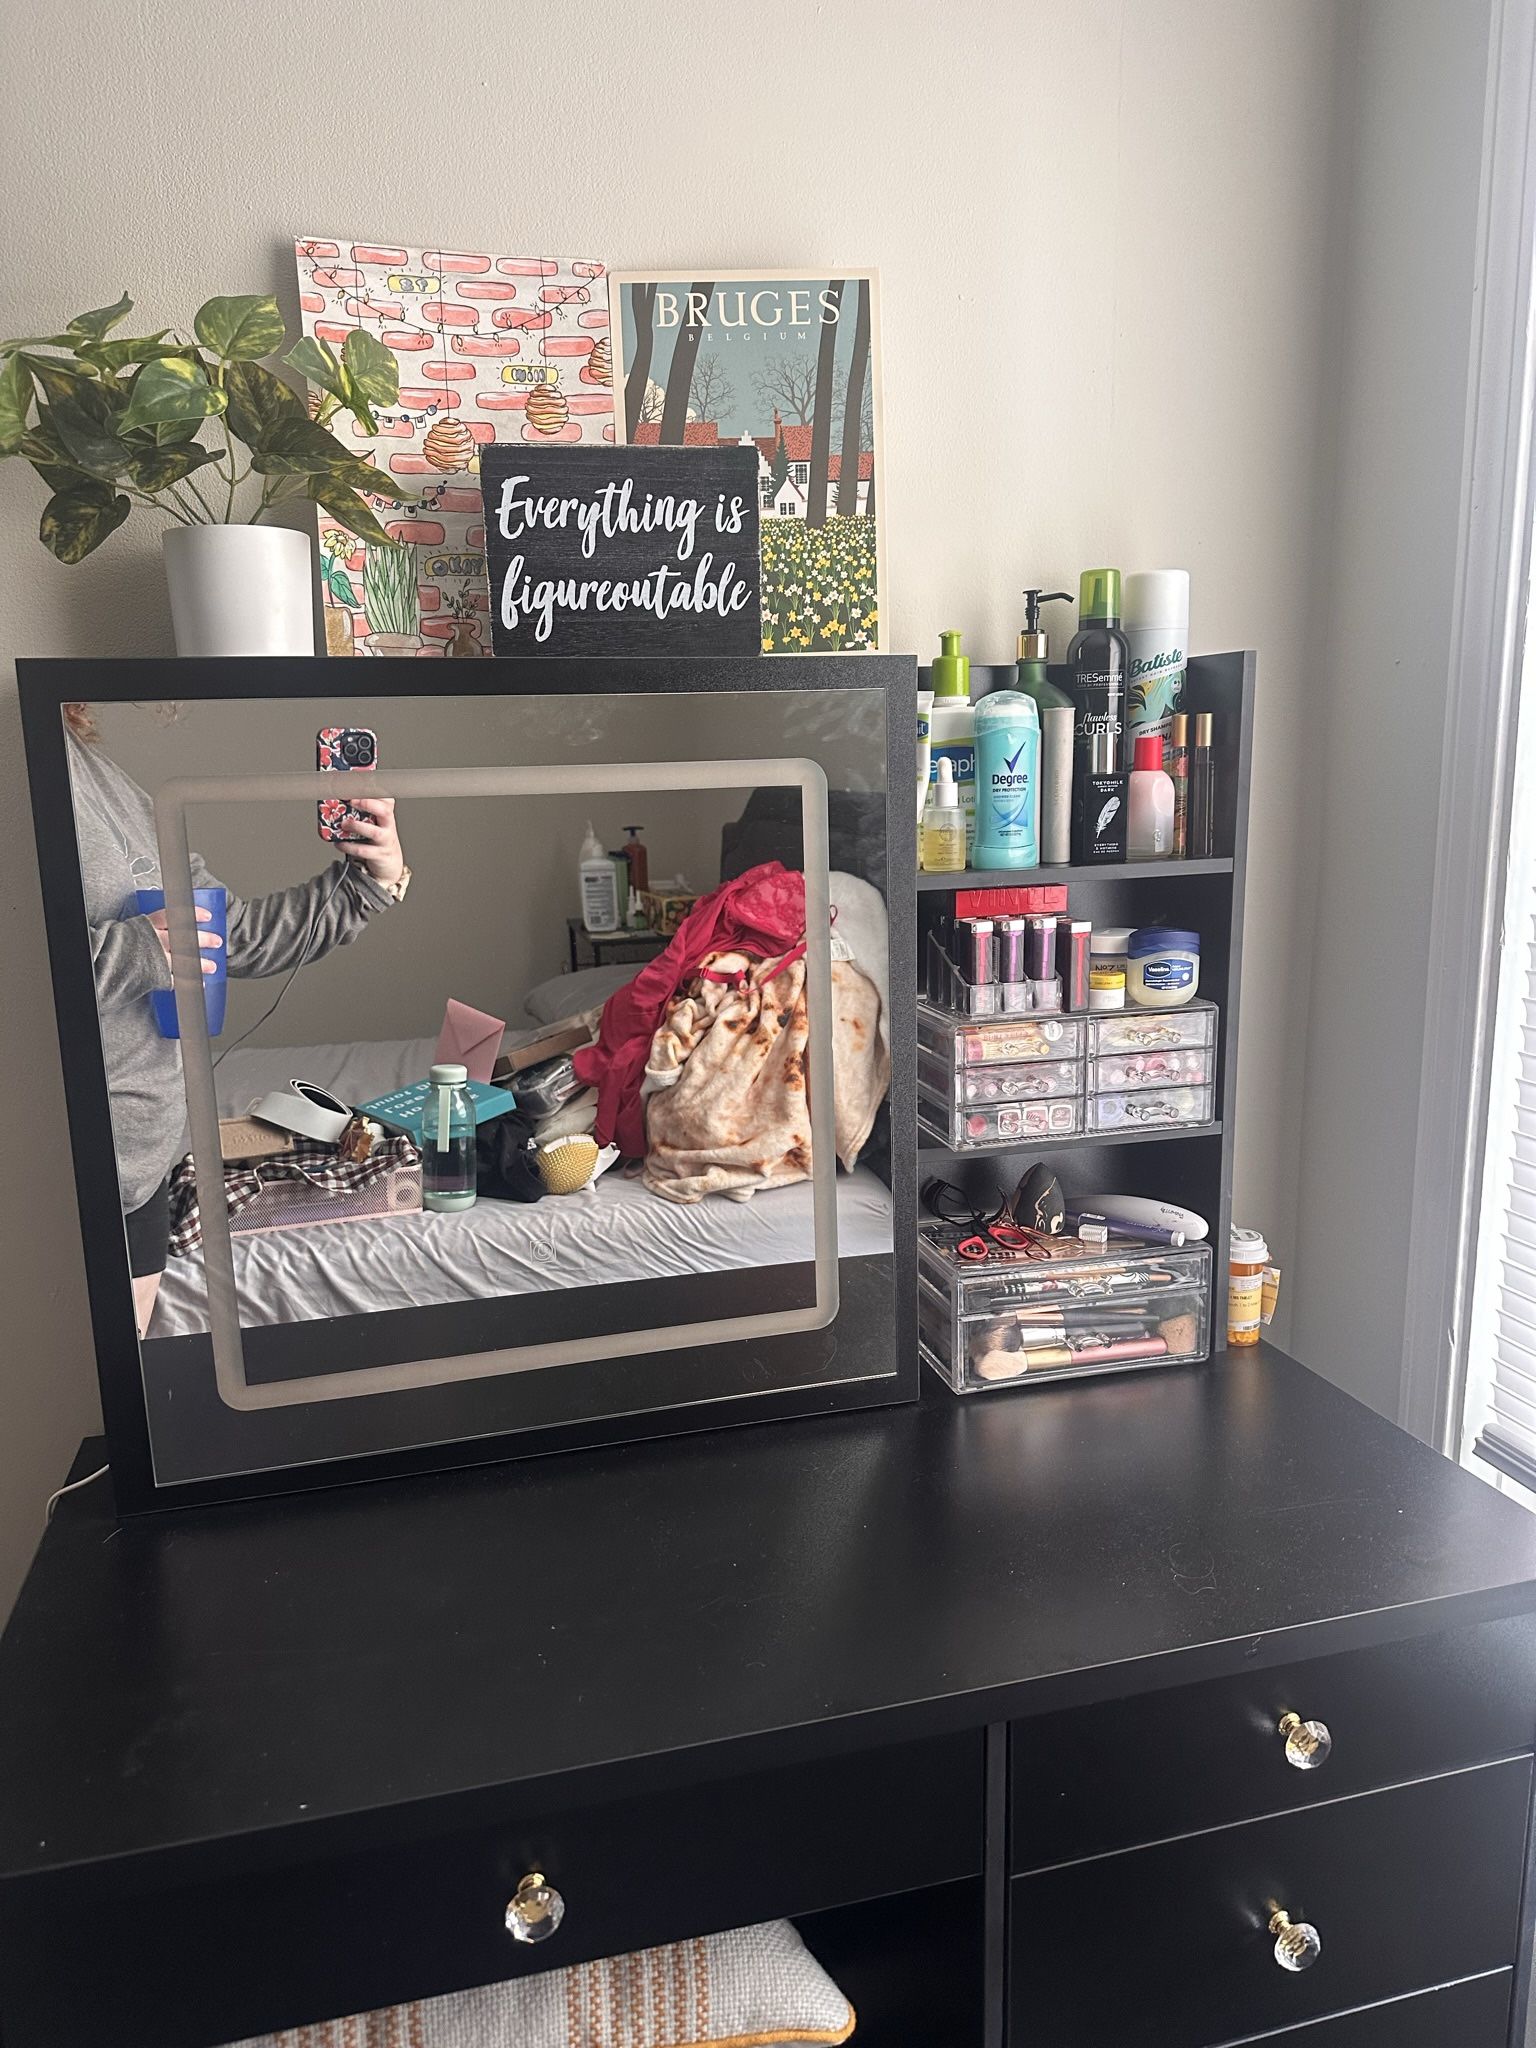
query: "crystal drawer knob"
1307, 1743
535, 1909
1297, 1946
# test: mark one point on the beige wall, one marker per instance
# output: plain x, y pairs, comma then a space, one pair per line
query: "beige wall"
1104, 230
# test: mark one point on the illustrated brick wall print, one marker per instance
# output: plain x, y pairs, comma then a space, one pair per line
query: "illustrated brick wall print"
490, 348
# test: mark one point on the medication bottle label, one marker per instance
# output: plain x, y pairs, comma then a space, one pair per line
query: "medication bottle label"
1168, 974
1243, 1303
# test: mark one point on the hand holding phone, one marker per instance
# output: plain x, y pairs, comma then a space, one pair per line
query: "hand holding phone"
338, 748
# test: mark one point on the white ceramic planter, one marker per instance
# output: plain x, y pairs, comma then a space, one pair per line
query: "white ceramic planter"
240, 590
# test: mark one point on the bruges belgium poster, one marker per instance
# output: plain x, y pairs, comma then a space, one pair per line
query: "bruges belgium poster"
790, 367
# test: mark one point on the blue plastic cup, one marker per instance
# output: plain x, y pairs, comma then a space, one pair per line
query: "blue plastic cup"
216, 985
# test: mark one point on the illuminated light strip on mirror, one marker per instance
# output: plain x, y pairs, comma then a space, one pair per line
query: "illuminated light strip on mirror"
173, 802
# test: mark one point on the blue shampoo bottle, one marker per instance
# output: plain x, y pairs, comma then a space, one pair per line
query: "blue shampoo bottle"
1007, 781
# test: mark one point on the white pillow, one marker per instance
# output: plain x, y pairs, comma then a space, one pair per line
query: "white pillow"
757, 1984
568, 995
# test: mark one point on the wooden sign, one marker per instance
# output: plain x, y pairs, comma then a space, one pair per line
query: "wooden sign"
621, 550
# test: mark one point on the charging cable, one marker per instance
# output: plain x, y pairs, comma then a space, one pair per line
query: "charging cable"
59, 1492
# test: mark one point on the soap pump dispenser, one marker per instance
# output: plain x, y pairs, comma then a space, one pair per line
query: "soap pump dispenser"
1057, 714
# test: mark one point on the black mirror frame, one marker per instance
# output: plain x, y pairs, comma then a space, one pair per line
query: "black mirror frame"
46, 686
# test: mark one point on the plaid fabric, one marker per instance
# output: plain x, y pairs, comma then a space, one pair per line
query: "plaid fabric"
319, 1165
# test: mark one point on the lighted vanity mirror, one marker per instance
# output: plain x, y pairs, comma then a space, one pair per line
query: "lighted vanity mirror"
670, 1188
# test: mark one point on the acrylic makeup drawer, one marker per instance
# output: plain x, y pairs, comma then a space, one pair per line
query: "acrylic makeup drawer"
1127, 1771
990, 1124
1149, 1109
1244, 1931
984, 1326
969, 1042
1152, 1031
1190, 1068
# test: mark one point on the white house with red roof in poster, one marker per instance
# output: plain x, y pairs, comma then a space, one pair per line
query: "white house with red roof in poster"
787, 501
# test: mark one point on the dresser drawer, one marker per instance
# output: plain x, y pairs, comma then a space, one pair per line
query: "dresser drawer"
212, 1963
1198, 1756
1170, 1946
1474, 2015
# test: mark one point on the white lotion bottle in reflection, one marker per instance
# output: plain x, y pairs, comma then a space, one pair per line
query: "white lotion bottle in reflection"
599, 885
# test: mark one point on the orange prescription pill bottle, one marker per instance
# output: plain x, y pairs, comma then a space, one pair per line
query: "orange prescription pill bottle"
1248, 1257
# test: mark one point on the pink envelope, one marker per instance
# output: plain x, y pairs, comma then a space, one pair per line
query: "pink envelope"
471, 1038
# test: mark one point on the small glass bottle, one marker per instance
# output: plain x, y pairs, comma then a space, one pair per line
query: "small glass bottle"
448, 1141
941, 849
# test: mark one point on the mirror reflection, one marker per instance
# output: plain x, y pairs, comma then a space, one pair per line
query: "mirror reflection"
522, 1050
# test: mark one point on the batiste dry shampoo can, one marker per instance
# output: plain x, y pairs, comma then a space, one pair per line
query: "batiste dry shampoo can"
1155, 622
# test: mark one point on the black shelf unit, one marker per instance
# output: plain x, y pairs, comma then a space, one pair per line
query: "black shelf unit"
1003, 878
934, 1148
1192, 1166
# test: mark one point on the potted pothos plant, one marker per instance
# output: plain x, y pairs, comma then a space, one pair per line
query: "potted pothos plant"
207, 434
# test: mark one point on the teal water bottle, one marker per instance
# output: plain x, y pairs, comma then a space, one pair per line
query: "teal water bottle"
448, 1141
1007, 781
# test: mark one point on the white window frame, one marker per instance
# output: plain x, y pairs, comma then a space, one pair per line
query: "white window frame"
1487, 652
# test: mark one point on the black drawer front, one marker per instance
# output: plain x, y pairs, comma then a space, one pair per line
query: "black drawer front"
1199, 1756
1474, 2015
215, 1963
1169, 1946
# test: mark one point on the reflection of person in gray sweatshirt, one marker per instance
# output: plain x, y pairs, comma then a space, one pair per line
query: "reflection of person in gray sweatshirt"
115, 828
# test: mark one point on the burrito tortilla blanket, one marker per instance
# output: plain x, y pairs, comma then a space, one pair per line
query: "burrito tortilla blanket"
761, 912
726, 1103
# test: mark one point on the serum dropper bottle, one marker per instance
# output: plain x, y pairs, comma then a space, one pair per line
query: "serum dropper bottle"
941, 849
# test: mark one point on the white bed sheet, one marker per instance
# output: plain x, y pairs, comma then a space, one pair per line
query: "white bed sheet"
617, 1231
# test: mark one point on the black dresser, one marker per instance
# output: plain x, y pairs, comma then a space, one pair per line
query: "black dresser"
1190, 1708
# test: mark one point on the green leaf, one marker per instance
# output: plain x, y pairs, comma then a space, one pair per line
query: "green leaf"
364, 476
9, 348
16, 395
111, 356
302, 447
76, 521
94, 326
171, 389
370, 367
60, 380
157, 468
87, 439
258, 400
172, 433
317, 361
42, 447
348, 507
242, 328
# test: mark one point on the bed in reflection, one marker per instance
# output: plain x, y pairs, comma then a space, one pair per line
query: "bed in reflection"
618, 1230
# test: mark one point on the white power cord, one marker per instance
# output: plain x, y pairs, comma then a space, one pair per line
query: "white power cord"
55, 1497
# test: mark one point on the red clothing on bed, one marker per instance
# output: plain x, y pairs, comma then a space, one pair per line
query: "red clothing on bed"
762, 911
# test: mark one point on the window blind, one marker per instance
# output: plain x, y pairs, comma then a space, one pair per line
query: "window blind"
1501, 1385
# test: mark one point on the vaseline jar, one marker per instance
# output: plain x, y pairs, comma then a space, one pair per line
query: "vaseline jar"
1162, 967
